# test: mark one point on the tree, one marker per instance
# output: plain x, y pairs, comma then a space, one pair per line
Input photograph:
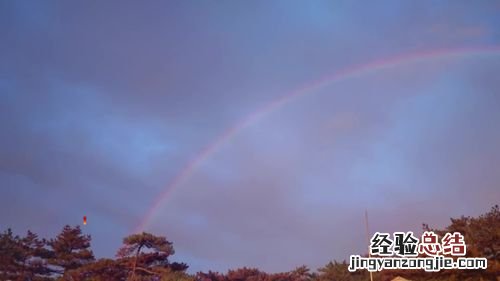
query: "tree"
171, 275
10, 252
482, 236
146, 262
100, 270
301, 273
33, 258
245, 274
210, 276
70, 249
334, 271
22, 258
178, 266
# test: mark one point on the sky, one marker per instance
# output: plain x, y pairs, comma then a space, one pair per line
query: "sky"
103, 105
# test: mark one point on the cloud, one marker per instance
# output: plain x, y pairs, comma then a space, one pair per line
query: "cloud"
101, 105
288, 190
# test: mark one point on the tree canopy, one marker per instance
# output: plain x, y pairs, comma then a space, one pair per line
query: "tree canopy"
145, 257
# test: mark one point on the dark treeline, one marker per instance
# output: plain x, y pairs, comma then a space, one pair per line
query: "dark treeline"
146, 257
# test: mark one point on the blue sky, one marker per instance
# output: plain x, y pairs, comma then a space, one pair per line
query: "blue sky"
102, 104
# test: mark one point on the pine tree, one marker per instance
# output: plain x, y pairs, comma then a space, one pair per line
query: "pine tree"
22, 258
146, 262
33, 257
70, 249
301, 273
100, 270
10, 252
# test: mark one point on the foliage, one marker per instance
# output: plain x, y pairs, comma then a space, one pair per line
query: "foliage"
145, 257
482, 235
23, 257
100, 270
146, 263
70, 249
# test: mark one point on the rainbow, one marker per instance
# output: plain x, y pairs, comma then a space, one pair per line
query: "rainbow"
350, 72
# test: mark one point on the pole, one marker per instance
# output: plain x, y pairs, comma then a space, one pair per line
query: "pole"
368, 239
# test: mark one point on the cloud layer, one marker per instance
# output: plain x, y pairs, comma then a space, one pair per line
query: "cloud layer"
102, 104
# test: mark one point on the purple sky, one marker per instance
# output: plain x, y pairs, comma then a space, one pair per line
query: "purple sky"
102, 104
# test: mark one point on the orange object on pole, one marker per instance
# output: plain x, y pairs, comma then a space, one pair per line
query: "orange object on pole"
84, 220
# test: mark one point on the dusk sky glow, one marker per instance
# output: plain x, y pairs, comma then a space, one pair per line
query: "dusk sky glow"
249, 133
